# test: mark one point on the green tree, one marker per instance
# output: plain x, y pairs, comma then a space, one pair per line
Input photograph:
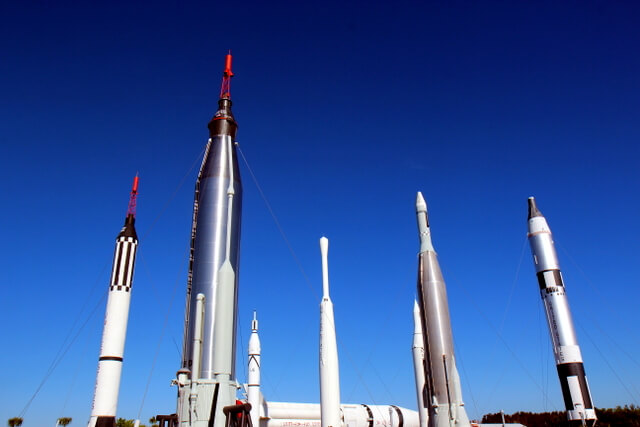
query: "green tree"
64, 421
15, 422
121, 422
153, 422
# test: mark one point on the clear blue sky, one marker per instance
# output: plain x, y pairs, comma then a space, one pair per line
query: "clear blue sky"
345, 111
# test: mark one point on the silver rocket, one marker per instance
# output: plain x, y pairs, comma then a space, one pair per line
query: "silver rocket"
442, 394
575, 389
213, 273
105, 400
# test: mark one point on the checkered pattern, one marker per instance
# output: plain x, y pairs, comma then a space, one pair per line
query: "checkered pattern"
123, 262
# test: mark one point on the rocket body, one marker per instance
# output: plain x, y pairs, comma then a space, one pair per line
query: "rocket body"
209, 363
443, 394
253, 386
105, 400
211, 230
329, 370
575, 389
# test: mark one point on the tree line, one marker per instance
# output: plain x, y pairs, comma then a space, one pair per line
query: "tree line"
628, 416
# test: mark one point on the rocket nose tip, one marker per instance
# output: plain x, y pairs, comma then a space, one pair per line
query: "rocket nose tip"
421, 205
533, 208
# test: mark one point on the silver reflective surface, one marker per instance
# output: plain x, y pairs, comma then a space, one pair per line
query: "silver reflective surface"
444, 394
544, 253
210, 246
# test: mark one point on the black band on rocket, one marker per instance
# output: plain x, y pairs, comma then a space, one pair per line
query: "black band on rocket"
400, 418
112, 358
557, 279
567, 370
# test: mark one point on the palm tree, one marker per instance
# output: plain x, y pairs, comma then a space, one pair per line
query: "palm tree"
64, 421
15, 422
123, 422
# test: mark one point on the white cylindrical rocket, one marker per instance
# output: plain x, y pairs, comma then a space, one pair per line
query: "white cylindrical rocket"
253, 386
418, 364
289, 414
105, 400
573, 381
329, 371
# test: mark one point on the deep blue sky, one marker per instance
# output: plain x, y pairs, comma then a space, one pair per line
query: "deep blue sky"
345, 111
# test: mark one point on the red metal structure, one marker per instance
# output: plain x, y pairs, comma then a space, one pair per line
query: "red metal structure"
131, 210
225, 90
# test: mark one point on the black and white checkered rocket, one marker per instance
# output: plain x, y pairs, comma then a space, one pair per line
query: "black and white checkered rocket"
105, 400
575, 389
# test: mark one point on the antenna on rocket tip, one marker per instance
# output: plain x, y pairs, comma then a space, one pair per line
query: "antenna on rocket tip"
131, 210
225, 90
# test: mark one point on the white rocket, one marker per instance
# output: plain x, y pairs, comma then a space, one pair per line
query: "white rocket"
443, 394
105, 400
573, 381
329, 371
418, 363
253, 386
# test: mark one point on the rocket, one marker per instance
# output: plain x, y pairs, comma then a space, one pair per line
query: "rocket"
105, 400
330, 414
575, 389
442, 394
417, 350
213, 273
253, 386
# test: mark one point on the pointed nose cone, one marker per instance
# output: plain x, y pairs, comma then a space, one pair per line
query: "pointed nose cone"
423, 223
421, 205
533, 209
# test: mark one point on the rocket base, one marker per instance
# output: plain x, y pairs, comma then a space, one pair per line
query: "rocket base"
201, 405
445, 415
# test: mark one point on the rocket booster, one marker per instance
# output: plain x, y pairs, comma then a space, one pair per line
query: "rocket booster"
215, 244
443, 394
330, 414
575, 389
105, 400
417, 350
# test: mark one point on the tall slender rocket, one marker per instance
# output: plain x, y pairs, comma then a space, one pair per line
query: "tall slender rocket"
575, 389
216, 240
253, 386
105, 400
443, 394
213, 269
329, 372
